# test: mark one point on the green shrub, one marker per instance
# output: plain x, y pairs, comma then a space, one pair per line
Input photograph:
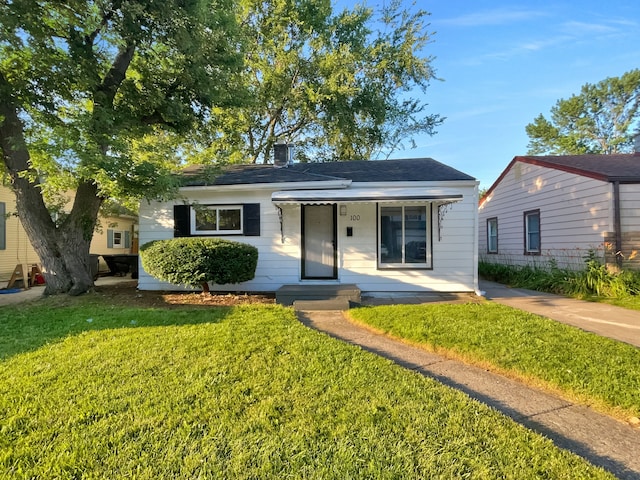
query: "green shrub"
594, 280
197, 261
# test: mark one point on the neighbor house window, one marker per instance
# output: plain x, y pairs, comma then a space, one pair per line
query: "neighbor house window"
213, 219
118, 239
492, 235
404, 236
532, 232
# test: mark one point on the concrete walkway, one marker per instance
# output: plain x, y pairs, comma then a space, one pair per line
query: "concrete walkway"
600, 439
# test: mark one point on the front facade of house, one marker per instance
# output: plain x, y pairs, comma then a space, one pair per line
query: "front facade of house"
385, 226
560, 209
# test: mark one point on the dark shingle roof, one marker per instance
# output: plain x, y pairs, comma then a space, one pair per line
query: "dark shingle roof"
249, 174
416, 169
609, 168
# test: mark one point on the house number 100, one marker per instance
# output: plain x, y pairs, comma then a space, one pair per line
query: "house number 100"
355, 218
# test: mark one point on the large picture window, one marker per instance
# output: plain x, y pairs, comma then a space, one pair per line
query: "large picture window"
404, 236
213, 219
492, 235
532, 232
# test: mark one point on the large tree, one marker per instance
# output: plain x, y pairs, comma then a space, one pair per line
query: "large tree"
603, 118
82, 84
341, 86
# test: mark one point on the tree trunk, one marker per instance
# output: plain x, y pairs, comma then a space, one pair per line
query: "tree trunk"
63, 250
73, 241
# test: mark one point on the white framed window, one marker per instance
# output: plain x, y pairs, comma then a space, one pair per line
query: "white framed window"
492, 235
216, 219
118, 239
403, 236
532, 232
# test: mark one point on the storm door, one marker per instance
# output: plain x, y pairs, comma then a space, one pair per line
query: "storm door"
319, 242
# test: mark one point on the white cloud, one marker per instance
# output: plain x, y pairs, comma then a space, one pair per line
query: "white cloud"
492, 17
582, 28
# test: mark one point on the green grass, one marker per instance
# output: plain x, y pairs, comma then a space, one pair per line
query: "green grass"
99, 392
630, 302
584, 366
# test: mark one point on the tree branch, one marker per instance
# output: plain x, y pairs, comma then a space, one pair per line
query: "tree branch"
106, 92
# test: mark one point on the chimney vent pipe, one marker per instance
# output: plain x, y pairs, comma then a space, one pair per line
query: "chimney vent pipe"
282, 155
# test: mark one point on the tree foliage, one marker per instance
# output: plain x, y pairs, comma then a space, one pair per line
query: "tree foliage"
341, 86
83, 83
601, 119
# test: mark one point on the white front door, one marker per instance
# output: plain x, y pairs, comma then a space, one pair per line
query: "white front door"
319, 241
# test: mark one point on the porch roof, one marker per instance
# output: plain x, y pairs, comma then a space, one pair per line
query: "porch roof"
347, 195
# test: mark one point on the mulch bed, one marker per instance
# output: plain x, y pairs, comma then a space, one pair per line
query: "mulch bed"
127, 294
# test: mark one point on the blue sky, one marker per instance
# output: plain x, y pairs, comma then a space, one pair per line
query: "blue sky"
503, 63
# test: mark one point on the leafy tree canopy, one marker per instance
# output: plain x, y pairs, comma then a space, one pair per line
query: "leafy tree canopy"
603, 118
91, 78
340, 86
87, 89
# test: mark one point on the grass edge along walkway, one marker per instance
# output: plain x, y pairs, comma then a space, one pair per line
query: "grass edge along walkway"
579, 366
240, 393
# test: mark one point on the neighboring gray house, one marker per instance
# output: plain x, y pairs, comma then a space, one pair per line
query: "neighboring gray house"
561, 208
384, 226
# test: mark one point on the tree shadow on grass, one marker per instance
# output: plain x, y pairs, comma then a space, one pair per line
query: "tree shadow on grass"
27, 327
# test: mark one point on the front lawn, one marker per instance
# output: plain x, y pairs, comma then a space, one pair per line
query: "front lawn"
583, 366
100, 392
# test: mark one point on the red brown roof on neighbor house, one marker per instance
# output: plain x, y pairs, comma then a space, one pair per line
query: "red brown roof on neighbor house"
623, 168
610, 168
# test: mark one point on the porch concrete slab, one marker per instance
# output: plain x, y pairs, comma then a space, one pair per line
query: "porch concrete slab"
600, 439
288, 294
317, 305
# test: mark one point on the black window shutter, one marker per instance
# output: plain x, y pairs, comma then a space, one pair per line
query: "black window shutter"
181, 220
251, 217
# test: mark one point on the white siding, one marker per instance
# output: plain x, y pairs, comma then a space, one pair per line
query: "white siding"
575, 216
454, 255
277, 260
454, 265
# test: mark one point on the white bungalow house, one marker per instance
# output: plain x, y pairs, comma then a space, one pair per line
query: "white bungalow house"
560, 209
381, 226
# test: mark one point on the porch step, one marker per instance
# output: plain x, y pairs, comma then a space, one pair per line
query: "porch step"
315, 305
288, 294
